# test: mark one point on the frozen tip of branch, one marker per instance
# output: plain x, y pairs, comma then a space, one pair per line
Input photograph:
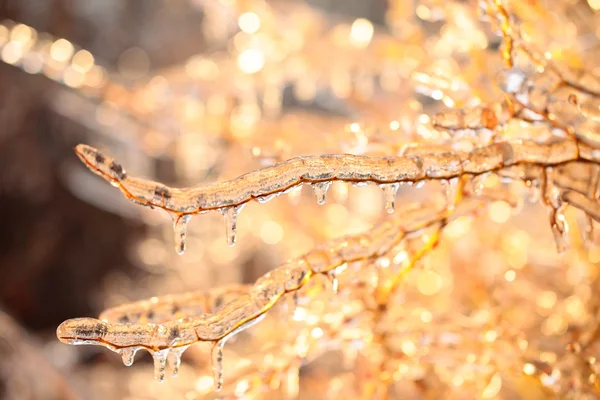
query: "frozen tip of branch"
100, 164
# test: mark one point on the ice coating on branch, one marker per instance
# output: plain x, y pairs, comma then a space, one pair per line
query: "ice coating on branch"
589, 107
264, 199
416, 165
173, 323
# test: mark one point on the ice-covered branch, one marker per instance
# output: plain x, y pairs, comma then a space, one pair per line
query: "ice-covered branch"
167, 326
415, 165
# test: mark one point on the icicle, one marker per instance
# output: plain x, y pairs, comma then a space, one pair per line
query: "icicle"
160, 364
180, 227
175, 359
450, 186
320, 189
264, 199
217, 351
478, 183
231, 214
128, 355
217, 364
534, 191
335, 283
560, 229
389, 193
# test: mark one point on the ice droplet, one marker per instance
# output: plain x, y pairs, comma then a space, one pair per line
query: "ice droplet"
217, 351
320, 189
128, 355
389, 193
180, 227
160, 364
231, 214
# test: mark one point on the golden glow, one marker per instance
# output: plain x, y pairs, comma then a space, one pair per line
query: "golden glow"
82, 61
361, 32
201, 68
594, 254
271, 232
429, 282
408, 348
251, 61
428, 279
3, 35
493, 387
95, 77
12, 53
510, 275
22, 34
249, 22
134, 63
33, 63
546, 299
73, 78
317, 333
61, 50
